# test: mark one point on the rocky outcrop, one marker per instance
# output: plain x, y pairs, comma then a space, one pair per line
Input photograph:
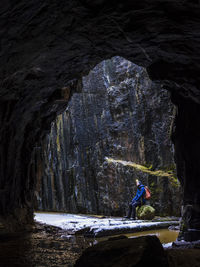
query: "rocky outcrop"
125, 252
47, 46
119, 114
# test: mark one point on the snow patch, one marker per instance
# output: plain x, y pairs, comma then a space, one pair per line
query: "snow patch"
167, 245
97, 226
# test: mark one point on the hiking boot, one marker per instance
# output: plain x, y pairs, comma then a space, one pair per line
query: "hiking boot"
132, 218
126, 217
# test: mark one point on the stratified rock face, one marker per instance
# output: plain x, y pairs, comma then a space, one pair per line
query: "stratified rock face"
119, 114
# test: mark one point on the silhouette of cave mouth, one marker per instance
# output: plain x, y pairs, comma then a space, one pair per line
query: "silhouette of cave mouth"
45, 52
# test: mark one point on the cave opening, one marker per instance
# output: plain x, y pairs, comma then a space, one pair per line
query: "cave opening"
116, 129
46, 47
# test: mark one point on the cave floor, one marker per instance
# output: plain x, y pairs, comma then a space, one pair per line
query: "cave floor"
43, 246
46, 245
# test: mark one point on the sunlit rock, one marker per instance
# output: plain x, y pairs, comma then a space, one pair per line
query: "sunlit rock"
145, 212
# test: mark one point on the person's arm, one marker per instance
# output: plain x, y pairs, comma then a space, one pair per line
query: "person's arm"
139, 194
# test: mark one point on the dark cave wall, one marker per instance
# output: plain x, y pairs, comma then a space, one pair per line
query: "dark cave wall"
47, 46
120, 114
186, 136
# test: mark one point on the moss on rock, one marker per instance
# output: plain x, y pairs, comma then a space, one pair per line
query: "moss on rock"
145, 212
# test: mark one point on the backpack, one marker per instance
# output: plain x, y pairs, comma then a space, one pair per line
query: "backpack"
148, 193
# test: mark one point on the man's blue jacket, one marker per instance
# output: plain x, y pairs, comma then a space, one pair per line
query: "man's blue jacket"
140, 194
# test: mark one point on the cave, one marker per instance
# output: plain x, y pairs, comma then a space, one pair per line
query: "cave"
47, 47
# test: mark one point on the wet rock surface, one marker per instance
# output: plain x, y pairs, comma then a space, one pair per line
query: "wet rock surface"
119, 114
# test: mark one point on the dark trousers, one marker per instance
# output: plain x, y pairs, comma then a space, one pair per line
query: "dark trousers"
132, 208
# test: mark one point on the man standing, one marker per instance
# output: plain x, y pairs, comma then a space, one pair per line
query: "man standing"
138, 200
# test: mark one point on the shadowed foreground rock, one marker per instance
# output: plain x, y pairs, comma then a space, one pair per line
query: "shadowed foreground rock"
140, 251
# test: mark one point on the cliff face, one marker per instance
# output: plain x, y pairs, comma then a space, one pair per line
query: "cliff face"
114, 131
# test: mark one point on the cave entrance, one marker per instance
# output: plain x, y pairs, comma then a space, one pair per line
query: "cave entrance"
116, 129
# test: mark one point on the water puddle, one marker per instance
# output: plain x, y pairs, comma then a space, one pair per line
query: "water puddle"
165, 236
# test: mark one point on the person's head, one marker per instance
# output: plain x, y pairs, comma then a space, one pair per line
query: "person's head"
137, 182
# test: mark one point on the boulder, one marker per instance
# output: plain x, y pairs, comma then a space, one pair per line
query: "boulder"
145, 212
141, 251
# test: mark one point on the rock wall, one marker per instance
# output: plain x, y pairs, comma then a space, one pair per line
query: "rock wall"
120, 114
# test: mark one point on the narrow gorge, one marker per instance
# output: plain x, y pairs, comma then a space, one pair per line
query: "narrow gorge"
115, 130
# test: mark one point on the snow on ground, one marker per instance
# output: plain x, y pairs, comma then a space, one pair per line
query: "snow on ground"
167, 245
97, 226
